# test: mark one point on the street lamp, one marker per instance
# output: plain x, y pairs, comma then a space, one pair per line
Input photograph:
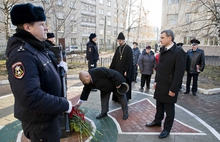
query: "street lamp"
105, 46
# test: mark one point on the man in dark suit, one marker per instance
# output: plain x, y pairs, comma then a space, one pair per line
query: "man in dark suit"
169, 74
107, 81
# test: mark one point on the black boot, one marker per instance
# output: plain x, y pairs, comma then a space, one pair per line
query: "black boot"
101, 115
125, 115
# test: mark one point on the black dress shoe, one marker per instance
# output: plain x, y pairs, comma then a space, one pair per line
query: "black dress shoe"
194, 94
163, 134
101, 115
152, 124
186, 92
125, 116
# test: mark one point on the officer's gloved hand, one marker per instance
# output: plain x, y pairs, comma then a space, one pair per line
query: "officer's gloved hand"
92, 65
64, 65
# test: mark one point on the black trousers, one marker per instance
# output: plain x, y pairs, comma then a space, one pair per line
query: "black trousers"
194, 85
169, 108
42, 132
91, 67
105, 101
145, 78
135, 72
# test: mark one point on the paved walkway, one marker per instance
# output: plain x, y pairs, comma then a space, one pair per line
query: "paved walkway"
197, 117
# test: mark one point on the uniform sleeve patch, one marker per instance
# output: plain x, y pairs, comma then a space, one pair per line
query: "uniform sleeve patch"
18, 70
90, 49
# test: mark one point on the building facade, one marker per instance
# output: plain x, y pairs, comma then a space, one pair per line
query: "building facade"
192, 19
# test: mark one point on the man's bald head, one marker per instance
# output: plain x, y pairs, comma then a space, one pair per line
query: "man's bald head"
85, 77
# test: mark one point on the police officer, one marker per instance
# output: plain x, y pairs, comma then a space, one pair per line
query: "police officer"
194, 65
92, 54
33, 76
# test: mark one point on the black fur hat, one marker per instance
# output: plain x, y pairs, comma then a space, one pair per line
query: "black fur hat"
121, 36
50, 35
92, 35
26, 13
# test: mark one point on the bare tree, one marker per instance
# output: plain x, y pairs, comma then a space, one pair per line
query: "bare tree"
201, 19
5, 8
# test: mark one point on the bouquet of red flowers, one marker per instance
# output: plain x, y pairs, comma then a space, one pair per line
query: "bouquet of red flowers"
79, 124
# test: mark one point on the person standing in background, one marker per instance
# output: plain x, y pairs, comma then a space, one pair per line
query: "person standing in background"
194, 65
136, 54
92, 54
147, 63
123, 62
172, 64
180, 44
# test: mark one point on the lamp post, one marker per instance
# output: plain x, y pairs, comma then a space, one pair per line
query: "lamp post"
105, 35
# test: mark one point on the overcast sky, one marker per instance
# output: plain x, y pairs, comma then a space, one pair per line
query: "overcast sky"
155, 8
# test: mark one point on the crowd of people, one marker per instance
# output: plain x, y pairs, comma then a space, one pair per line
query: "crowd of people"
35, 82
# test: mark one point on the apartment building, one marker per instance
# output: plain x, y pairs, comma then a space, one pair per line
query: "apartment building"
192, 19
72, 21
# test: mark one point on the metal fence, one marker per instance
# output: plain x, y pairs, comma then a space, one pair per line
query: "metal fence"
106, 61
103, 61
212, 60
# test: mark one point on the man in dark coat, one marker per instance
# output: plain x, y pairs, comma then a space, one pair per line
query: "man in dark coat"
172, 63
123, 62
92, 54
194, 65
136, 54
107, 81
33, 76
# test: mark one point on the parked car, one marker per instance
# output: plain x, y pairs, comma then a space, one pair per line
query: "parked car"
74, 50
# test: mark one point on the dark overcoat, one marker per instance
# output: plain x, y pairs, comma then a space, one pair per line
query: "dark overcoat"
172, 64
103, 79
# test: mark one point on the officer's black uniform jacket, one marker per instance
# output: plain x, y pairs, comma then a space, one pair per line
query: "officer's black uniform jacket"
37, 86
92, 54
194, 58
103, 79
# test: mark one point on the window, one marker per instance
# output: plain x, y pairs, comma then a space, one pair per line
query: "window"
84, 40
60, 15
173, 1
101, 11
88, 30
74, 29
109, 13
101, 41
101, 1
190, 17
89, 19
45, 1
101, 22
187, 40
60, 2
109, 3
211, 41
72, 4
88, 7
101, 32
172, 19
72, 18
73, 41
61, 26
109, 41
108, 23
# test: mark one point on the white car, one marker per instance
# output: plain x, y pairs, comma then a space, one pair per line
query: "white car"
74, 50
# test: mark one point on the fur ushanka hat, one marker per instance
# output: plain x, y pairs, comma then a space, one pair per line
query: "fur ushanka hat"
26, 13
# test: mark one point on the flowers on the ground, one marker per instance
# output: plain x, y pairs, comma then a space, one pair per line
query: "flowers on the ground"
79, 124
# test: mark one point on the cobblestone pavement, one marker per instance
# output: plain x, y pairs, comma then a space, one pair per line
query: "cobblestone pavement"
197, 117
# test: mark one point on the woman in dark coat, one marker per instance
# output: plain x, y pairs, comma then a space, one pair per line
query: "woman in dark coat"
146, 64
